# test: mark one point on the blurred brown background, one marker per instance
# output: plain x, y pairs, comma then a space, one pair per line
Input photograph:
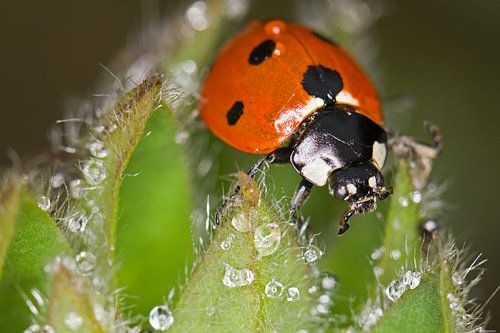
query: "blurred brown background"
445, 53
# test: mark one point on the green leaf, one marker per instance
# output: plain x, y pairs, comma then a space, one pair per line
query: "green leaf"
70, 309
227, 290
34, 242
124, 127
401, 241
424, 309
153, 239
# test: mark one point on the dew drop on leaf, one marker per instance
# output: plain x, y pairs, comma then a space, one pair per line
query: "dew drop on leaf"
274, 289
237, 277
267, 238
329, 282
44, 203
394, 290
73, 320
292, 294
94, 171
312, 254
85, 262
76, 188
242, 222
411, 279
97, 149
39, 329
161, 318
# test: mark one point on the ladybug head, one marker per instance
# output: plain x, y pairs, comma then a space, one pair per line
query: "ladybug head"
361, 185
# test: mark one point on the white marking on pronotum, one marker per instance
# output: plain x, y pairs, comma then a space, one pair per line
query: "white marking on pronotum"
379, 153
316, 172
287, 117
345, 97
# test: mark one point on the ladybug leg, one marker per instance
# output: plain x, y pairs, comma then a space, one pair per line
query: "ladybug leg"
299, 198
279, 156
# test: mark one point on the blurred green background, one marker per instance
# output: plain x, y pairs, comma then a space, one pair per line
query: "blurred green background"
441, 55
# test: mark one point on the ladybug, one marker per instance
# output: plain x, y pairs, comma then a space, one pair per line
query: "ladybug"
282, 90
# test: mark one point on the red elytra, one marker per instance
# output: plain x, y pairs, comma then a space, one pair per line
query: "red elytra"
256, 107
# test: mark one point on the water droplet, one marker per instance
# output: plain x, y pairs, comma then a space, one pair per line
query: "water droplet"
226, 243
312, 254
329, 282
458, 279
100, 313
292, 294
267, 238
210, 311
44, 203
395, 254
453, 302
242, 222
394, 290
196, 15
76, 188
416, 196
73, 320
274, 289
237, 277
39, 329
204, 166
161, 318
236, 8
77, 223
370, 317
85, 262
411, 279
378, 271
403, 201
94, 171
377, 253
97, 149
37, 295
57, 180
430, 226
181, 137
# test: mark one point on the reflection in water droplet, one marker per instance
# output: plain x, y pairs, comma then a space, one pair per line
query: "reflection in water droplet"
236, 8
237, 277
312, 254
76, 188
267, 238
395, 254
242, 222
97, 149
57, 180
85, 262
73, 320
196, 15
377, 253
161, 318
411, 279
394, 290
226, 243
44, 203
94, 171
329, 282
369, 317
39, 329
274, 289
292, 294
77, 223
403, 201
416, 196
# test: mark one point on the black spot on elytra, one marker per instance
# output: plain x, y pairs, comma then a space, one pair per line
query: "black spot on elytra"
261, 52
234, 113
320, 81
324, 38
